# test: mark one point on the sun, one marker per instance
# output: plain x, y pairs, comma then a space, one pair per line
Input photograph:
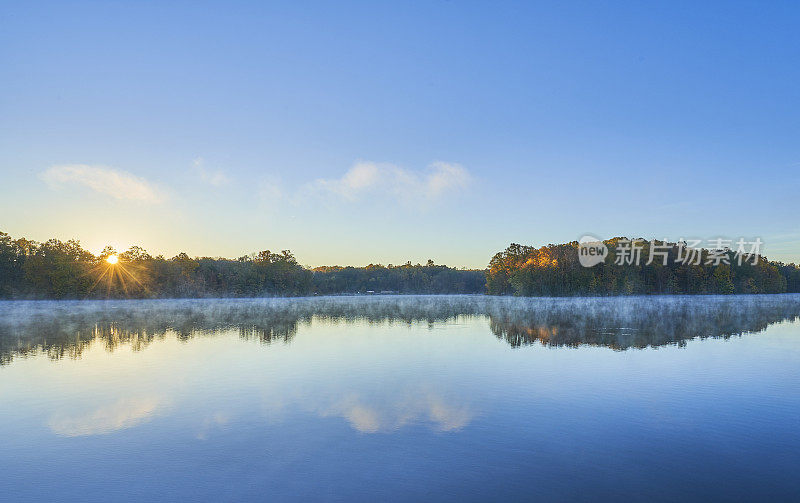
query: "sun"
117, 275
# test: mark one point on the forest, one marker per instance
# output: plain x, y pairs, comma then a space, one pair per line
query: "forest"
555, 270
65, 270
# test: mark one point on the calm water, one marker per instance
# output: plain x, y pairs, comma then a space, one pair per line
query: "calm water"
401, 398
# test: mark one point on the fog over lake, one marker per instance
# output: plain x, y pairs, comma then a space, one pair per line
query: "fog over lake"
401, 398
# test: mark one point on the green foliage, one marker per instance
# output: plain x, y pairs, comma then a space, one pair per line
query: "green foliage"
555, 270
64, 270
406, 278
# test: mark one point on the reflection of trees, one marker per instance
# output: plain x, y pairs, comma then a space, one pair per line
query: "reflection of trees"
283, 331
66, 329
638, 322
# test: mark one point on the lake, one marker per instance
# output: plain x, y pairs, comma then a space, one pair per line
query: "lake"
401, 398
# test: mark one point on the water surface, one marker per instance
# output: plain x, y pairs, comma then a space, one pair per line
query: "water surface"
463, 398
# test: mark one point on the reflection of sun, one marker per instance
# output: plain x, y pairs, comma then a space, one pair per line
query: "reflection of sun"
112, 259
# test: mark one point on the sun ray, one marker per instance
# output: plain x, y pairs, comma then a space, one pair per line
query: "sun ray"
118, 276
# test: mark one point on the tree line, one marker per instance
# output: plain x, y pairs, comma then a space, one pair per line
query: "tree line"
555, 270
64, 270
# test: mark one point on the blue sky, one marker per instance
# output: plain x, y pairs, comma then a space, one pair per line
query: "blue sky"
384, 132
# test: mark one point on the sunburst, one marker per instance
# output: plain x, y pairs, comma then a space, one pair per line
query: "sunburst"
113, 271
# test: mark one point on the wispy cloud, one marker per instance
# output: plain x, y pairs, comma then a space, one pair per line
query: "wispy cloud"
439, 179
217, 178
104, 180
270, 189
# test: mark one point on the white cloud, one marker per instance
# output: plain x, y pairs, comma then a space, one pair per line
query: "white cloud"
446, 177
112, 182
216, 178
439, 179
360, 177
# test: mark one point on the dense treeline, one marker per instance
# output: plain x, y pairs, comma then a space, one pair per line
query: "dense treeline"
407, 278
64, 270
556, 270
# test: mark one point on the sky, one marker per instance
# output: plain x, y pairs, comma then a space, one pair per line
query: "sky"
384, 132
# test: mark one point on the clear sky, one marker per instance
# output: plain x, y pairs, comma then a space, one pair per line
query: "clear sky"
384, 132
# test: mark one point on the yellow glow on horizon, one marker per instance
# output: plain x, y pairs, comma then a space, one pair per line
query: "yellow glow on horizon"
112, 259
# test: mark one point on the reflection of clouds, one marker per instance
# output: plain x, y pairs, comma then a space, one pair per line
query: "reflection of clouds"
449, 418
218, 419
361, 417
374, 416
124, 413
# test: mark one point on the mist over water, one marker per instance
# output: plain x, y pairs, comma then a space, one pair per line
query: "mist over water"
401, 398
63, 328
